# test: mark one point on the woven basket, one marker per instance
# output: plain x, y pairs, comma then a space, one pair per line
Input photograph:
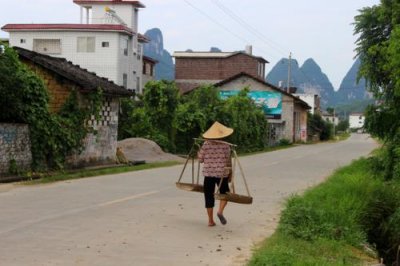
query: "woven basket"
190, 187
234, 198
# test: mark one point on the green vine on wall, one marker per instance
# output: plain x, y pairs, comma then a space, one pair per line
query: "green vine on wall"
24, 99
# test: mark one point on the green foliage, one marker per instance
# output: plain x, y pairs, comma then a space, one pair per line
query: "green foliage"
332, 210
13, 167
24, 99
173, 121
160, 100
133, 120
283, 250
379, 49
352, 207
21, 91
316, 125
343, 126
197, 110
381, 222
248, 121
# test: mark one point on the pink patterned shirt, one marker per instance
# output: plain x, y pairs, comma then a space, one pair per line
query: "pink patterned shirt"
215, 156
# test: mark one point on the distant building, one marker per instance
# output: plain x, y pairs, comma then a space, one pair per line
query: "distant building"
286, 114
356, 120
148, 69
106, 41
331, 118
313, 100
193, 69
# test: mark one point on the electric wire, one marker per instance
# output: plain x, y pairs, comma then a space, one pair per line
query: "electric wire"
280, 48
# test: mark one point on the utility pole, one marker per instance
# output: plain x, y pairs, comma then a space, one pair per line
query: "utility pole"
288, 78
334, 121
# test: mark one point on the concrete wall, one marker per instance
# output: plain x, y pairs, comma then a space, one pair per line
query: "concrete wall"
15, 145
109, 62
100, 146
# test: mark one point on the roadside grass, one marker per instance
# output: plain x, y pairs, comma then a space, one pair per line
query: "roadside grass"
67, 175
282, 250
324, 226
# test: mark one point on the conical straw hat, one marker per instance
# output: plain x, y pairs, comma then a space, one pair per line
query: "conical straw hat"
217, 131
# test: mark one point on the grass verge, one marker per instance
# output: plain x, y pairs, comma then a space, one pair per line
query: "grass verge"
67, 175
328, 225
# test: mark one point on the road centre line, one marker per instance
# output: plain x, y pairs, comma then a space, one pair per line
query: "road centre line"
108, 203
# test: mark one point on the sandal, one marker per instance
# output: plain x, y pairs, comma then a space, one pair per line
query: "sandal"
221, 218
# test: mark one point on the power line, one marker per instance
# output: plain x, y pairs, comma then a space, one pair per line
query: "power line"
215, 21
250, 28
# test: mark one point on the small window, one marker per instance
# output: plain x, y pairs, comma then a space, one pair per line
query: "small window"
137, 83
124, 46
86, 45
105, 44
125, 80
22, 41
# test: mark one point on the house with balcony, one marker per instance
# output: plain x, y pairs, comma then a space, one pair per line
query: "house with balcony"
106, 41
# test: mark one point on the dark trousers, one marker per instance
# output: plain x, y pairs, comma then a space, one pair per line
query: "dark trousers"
210, 183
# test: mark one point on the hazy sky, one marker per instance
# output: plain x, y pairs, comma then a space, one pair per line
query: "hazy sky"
320, 29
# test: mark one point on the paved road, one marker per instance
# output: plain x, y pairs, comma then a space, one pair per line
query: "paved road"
140, 218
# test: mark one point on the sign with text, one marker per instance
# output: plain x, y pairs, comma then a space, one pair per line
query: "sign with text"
271, 102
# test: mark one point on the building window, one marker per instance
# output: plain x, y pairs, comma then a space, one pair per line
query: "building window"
137, 83
22, 41
125, 80
105, 44
86, 44
124, 45
47, 46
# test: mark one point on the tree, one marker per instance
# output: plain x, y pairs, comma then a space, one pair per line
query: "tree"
378, 47
247, 119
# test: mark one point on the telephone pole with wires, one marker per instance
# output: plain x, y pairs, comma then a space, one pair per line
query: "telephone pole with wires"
288, 78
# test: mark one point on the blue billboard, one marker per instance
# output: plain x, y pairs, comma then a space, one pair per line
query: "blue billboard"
271, 102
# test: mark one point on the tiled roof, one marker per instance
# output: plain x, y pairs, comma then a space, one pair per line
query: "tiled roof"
67, 27
88, 81
113, 2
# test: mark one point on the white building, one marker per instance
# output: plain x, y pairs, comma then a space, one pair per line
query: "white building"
356, 120
331, 118
105, 42
313, 100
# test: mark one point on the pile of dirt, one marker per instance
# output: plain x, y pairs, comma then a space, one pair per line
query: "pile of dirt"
139, 149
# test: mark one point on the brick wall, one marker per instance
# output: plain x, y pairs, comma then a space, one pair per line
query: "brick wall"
215, 68
58, 88
14, 145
